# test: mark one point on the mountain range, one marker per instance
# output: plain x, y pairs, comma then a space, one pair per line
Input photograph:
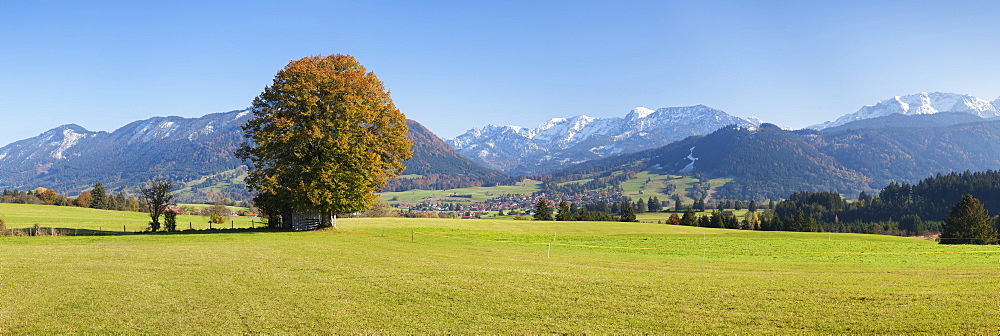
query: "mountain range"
919, 104
563, 142
903, 138
768, 162
195, 152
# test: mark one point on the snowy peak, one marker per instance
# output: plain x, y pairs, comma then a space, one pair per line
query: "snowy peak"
639, 113
559, 142
921, 103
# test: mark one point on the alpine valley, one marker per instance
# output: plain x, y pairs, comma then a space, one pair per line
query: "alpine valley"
901, 139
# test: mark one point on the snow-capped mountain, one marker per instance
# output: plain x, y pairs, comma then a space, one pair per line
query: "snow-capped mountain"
194, 152
921, 103
560, 142
70, 158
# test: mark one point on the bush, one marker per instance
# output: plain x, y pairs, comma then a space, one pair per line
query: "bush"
170, 220
217, 219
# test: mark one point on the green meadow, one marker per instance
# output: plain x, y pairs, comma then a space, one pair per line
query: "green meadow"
460, 195
82, 221
406, 276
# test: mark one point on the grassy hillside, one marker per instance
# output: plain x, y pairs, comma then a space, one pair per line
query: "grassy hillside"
480, 276
479, 194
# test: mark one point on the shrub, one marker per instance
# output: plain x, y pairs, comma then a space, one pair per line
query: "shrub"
170, 220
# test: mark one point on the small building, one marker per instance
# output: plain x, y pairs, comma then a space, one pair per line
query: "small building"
301, 221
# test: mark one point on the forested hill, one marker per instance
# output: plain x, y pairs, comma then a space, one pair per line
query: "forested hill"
195, 152
768, 162
431, 155
436, 165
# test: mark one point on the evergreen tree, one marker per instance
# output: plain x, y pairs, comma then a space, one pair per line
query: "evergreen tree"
716, 220
968, 223
542, 211
678, 204
325, 138
565, 214
100, 197
689, 218
628, 214
654, 204
640, 206
752, 207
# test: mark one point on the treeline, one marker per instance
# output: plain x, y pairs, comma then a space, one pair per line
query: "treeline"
96, 198
624, 211
899, 208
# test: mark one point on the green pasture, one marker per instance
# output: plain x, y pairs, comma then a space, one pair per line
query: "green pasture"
94, 221
647, 184
479, 194
418, 276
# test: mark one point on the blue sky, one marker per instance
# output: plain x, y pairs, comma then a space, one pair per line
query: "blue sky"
462, 64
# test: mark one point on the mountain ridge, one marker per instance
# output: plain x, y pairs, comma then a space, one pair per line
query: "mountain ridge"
768, 162
69, 158
922, 103
560, 142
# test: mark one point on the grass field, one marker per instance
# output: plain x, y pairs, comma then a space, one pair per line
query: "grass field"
391, 275
93, 221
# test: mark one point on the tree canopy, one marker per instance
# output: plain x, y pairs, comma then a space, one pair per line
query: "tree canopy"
325, 138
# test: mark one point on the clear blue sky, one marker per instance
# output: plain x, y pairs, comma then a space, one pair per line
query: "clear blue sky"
462, 64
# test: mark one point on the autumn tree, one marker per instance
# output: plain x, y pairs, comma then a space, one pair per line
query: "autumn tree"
325, 138
84, 200
968, 223
217, 213
156, 195
674, 219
